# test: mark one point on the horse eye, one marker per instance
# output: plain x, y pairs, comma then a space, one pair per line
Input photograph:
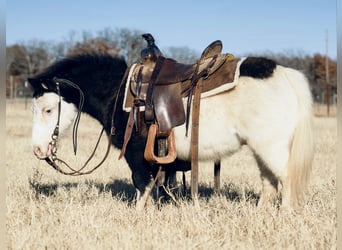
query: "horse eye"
48, 111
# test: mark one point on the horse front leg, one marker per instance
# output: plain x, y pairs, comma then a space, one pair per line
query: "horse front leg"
141, 172
143, 196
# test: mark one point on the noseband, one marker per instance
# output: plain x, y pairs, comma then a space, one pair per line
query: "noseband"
53, 159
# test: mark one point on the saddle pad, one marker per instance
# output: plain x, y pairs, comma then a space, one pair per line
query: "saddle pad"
224, 79
129, 98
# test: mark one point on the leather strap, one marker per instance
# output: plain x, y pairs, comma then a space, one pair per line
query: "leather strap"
136, 101
123, 80
149, 113
194, 83
52, 161
128, 132
195, 138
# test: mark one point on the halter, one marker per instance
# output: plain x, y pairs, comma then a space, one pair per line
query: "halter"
53, 159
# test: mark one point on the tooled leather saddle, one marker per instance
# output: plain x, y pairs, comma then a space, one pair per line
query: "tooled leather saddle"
158, 85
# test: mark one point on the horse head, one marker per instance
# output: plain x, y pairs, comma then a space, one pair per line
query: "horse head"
83, 83
49, 109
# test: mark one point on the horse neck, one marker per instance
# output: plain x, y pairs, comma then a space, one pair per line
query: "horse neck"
100, 105
98, 97
99, 79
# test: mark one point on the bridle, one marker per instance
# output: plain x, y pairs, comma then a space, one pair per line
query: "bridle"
53, 160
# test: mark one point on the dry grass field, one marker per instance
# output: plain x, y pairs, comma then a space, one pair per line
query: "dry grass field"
47, 210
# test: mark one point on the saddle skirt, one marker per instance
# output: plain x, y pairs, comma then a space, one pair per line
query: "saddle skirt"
221, 79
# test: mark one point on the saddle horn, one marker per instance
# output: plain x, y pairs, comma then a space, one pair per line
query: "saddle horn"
151, 52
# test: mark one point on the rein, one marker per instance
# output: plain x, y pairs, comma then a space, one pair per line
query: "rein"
80, 106
53, 159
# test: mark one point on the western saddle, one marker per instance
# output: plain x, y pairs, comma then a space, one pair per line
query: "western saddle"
158, 85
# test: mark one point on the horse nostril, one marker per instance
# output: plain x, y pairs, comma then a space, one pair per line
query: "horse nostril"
37, 151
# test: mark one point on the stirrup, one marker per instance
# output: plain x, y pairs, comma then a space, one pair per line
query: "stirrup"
149, 149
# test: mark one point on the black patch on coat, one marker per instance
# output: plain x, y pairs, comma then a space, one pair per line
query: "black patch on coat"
257, 67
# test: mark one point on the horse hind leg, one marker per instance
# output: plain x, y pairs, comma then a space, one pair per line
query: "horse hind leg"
273, 162
217, 172
269, 194
166, 184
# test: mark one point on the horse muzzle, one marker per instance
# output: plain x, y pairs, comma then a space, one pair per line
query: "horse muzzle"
40, 153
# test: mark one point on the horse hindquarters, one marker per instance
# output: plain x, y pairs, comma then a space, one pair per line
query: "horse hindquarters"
276, 122
273, 116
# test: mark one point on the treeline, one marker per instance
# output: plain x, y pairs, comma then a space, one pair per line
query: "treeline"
28, 58
314, 67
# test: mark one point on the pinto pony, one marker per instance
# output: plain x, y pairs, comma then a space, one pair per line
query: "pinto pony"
269, 109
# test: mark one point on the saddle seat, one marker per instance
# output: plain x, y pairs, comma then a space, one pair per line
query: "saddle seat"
173, 72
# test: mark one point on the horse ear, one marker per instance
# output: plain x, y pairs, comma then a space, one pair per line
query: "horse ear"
34, 83
38, 84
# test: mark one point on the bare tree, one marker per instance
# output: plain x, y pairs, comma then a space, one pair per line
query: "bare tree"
94, 46
320, 70
37, 56
182, 54
131, 43
16, 60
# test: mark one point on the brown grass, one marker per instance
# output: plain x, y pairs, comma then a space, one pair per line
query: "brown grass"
322, 110
46, 210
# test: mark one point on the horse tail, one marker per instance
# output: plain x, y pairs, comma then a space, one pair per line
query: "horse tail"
302, 145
